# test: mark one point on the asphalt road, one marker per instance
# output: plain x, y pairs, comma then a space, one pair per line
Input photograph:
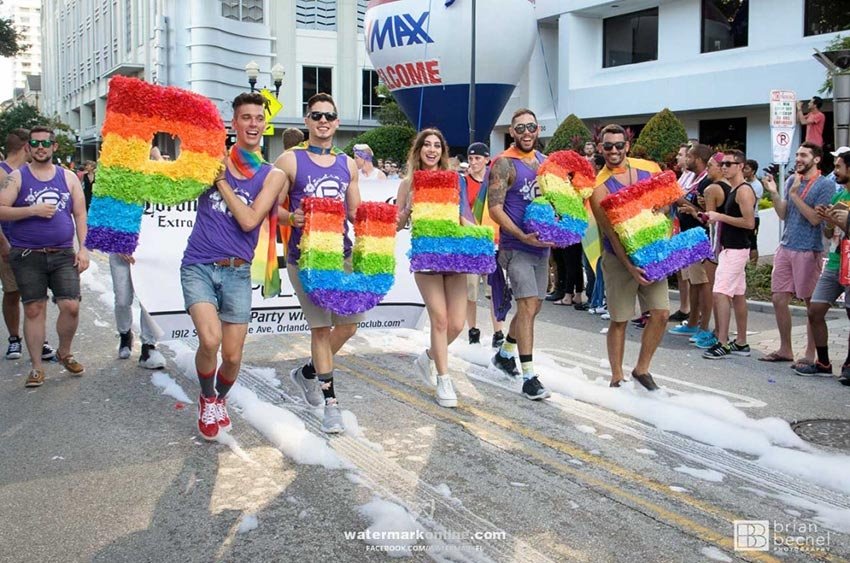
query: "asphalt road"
106, 468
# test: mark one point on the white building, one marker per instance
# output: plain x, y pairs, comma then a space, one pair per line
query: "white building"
204, 45
26, 19
623, 61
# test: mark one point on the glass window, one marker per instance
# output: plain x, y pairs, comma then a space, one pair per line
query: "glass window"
724, 24
250, 11
315, 79
315, 14
630, 38
730, 133
826, 16
371, 102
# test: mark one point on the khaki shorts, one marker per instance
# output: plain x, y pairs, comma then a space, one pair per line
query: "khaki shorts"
472, 282
622, 289
695, 273
316, 316
7, 277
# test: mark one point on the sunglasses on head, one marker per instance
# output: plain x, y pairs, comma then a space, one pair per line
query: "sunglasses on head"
44, 143
522, 127
728, 163
619, 145
318, 115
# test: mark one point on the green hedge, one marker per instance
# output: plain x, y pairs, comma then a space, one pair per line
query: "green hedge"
387, 141
570, 134
661, 138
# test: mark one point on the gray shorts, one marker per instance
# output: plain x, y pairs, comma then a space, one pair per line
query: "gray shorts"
316, 316
37, 271
528, 273
828, 289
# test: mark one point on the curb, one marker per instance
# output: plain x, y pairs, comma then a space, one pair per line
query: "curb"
759, 306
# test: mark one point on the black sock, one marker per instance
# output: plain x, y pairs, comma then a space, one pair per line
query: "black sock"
327, 382
222, 386
207, 381
308, 371
510, 339
823, 354
146, 351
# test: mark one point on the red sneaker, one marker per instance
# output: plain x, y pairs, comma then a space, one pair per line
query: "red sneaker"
208, 417
221, 414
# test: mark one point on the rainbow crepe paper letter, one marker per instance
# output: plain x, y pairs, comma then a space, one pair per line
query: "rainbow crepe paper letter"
559, 215
127, 177
645, 233
439, 243
322, 272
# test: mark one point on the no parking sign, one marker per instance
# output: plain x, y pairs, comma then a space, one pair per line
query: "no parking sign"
783, 119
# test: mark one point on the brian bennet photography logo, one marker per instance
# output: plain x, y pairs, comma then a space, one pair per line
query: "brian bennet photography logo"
783, 537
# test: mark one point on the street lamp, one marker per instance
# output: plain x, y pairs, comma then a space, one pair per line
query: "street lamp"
252, 71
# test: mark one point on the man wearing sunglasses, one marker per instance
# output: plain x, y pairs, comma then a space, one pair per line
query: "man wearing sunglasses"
624, 281
45, 207
318, 169
512, 186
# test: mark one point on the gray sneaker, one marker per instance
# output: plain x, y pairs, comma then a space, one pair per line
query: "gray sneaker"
309, 388
332, 421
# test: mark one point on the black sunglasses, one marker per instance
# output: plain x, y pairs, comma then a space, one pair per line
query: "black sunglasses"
619, 145
44, 143
318, 115
521, 128
728, 163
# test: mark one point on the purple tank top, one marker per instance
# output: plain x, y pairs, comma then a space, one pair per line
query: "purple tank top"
216, 235
312, 180
38, 232
519, 195
4, 225
615, 186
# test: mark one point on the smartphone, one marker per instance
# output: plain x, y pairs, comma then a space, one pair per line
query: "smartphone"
840, 205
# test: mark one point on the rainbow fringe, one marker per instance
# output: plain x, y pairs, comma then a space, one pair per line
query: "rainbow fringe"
438, 242
321, 263
559, 216
127, 177
646, 234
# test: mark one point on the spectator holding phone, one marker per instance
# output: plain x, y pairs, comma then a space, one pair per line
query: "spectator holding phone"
813, 120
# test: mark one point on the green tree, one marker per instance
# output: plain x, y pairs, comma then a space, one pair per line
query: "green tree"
10, 39
386, 141
837, 44
390, 113
661, 138
27, 116
570, 134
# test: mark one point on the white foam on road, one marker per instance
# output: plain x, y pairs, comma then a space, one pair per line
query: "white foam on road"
392, 529
249, 522
715, 554
704, 474
169, 387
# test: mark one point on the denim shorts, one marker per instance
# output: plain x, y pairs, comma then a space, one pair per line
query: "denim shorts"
226, 287
36, 272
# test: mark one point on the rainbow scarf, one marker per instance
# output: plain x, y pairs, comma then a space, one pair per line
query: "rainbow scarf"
438, 242
646, 234
127, 177
559, 216
246, 162
321, 264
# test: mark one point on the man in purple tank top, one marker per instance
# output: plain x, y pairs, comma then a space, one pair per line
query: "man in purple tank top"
16, 156
216, 269
318, 169
45, 207
512, 186
624, 281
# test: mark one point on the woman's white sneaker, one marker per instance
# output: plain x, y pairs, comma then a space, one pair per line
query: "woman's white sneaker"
446, 396
426, 369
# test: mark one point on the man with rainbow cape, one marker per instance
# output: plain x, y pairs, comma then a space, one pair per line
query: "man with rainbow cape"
623, 280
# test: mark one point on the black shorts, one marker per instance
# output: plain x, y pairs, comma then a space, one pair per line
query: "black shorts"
754, 245
37, 271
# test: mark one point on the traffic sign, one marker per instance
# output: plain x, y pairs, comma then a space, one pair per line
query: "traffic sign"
272, 109
783, 122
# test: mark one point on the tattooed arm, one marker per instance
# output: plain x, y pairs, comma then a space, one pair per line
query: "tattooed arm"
9, 188
502, 177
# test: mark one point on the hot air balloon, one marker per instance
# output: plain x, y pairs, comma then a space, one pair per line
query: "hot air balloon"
422, 51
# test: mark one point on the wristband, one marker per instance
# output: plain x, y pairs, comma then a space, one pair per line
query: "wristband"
292, 219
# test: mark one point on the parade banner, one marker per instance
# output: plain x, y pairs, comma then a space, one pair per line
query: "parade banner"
156, 276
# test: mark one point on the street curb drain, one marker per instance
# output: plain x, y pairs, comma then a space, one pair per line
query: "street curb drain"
830, 432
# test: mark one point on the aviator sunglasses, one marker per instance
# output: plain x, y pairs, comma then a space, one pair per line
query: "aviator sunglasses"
521, 128
318, 115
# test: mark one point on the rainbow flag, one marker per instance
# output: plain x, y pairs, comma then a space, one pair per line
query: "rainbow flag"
127, 177
646, 234
322, 271
439, 243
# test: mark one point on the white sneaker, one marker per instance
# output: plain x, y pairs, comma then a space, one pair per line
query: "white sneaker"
155, 360
446, 396
426, 368
332, 419
606, 316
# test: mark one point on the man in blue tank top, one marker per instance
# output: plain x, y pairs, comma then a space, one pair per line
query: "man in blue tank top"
318, 169
512, 186
216, 269
45, 207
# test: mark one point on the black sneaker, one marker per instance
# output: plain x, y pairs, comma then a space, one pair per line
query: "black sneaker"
47, 352
844, 379
474, 336
816, 368
14, 351
717, 352
506, 365
125, 344
534, 390
555, 296
739, 349
678, 316
640, 322
498, 339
